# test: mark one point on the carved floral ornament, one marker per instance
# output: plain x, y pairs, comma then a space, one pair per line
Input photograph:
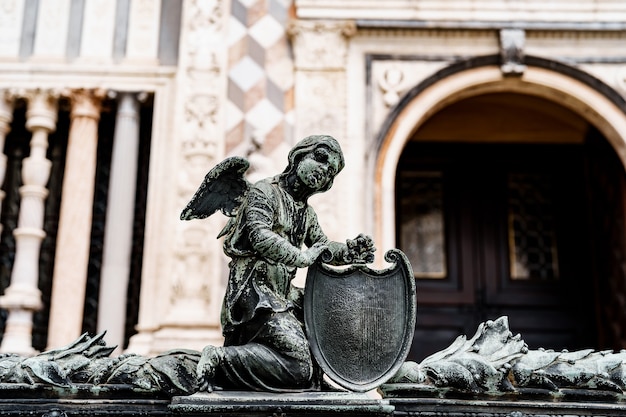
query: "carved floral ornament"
203, 71
206, 13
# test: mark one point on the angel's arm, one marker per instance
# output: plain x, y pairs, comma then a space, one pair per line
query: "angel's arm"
358, 250
259, 218
315, 234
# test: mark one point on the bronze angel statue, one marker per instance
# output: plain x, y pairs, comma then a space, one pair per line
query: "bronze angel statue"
271, 232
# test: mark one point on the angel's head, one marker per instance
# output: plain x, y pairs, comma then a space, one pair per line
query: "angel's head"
315, 161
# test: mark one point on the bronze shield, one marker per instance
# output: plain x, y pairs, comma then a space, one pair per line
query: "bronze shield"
360, 321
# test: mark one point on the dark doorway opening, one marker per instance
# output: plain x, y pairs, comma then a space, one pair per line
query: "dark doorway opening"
530, 230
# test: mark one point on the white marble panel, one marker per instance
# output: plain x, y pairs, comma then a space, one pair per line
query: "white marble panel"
11, 14
52, 26
98, 28
143, 30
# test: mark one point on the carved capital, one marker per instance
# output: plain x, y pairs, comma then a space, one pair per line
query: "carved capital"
320, 45
86, 103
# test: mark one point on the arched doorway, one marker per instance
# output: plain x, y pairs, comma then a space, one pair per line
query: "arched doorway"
510, 202
494, 210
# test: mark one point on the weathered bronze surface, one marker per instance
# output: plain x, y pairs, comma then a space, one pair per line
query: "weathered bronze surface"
265, 346
494, 362
359, 321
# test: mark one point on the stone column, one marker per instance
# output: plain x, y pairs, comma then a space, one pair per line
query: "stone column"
118, 233
74, 231
6, 116
23, 297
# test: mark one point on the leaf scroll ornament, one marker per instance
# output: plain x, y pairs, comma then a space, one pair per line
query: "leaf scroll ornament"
480, 364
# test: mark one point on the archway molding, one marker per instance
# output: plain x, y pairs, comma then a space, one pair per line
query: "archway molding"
590, 98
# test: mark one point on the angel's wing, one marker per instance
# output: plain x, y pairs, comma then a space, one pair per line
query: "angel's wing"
223, 189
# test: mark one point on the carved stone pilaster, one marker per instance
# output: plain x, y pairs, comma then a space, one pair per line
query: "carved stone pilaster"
190, 289
197, 250
390, 84
23, 296
320, 101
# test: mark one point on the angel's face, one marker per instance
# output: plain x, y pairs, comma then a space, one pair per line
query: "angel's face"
318, 168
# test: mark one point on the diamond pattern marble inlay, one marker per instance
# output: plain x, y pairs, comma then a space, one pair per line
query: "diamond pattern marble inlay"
260, 87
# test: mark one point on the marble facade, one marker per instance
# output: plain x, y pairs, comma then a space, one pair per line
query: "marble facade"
250, 78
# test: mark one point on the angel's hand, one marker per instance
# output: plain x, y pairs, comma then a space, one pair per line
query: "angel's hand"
309, 256
361, 249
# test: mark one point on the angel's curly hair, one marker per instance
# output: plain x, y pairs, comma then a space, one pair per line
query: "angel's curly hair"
308, 145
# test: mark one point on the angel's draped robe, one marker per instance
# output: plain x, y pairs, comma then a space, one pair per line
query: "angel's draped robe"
265, 345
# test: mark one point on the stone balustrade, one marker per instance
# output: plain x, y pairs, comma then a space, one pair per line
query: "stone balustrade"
23, 297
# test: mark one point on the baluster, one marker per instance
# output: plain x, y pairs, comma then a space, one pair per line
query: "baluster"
23, 296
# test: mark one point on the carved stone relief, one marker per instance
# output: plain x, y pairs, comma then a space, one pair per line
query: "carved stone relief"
202, 92
320, 107
392, 79
312, 38
320, 100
